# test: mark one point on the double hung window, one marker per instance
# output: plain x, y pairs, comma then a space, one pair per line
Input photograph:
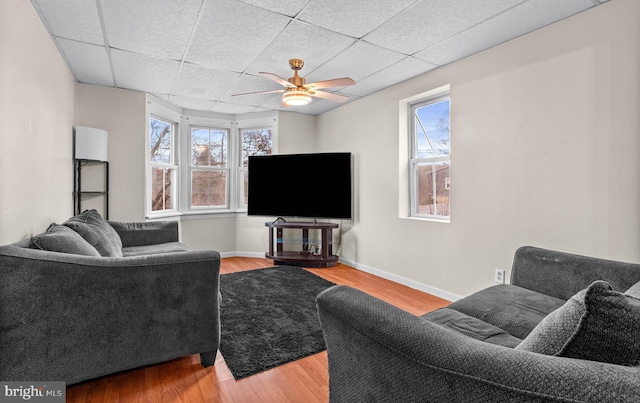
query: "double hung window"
429, 161
257, 141
209, 168
162, 157
198, 165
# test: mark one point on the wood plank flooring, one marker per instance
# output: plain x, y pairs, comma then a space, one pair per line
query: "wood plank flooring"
305, 380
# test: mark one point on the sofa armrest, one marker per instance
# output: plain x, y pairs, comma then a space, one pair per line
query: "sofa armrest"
378, 352
146, 233
70, 318
562, 275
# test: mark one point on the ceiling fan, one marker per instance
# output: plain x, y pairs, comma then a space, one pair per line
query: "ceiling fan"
298, 92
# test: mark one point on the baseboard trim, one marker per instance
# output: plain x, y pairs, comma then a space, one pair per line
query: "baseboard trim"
242, 254
403, 280
377, 272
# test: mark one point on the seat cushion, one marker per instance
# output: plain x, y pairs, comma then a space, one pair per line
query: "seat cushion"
598, 324
511, 308
472, 327
156, 249
58, 238
95, 230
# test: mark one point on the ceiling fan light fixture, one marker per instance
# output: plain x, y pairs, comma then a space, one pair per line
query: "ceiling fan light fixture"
296, 97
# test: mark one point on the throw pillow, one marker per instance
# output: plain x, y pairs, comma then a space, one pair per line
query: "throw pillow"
95, 230
634, 291
598, 324
58, 238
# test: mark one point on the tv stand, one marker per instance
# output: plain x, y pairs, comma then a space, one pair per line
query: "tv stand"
304, 257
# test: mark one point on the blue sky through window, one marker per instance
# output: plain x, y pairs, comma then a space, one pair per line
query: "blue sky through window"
432, 129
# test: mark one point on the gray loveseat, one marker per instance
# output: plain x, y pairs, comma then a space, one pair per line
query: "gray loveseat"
90, 298
556, 333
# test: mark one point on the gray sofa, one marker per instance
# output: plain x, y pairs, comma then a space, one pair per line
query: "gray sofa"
556, 333
90, 298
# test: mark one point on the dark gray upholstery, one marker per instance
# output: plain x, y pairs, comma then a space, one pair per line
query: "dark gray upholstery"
157, 232
472, 327
67, 317
155, 249
95, 230
379, 353
598, 324
515, 309
58, 238
562, 275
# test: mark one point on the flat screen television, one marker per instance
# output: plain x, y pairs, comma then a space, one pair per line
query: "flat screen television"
300, 185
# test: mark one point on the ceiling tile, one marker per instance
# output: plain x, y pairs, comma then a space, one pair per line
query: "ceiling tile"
355, 18
232, 34
223, 107
286, 7
203, 83
357, 61
401, 71
299, 40
515, 22
72, 19
143, 73
88, 63
431, 21
160, 28
191, 103
249, 83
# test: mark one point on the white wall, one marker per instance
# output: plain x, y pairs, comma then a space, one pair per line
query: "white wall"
545, 151
296, 134
122, 113
36, 118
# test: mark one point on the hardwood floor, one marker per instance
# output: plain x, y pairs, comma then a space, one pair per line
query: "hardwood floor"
305, 380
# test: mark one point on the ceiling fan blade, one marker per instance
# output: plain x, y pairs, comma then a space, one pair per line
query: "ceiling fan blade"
277, 79
336, 82
330, 96
258, 92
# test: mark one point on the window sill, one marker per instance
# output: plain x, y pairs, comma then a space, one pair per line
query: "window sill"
196, 215
445, 220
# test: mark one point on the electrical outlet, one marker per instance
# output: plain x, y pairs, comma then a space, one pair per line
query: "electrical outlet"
499, 276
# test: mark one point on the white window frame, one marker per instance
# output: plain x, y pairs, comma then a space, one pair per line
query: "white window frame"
415, 161
241, 169
226, 169
173, 164
183, 122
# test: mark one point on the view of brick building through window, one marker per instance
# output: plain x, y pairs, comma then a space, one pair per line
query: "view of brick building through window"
431, 158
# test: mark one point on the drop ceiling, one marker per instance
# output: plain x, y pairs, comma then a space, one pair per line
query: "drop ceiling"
197, 53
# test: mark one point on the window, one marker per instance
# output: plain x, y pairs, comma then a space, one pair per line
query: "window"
209, 167
162, 156
429, 159
197, 164
254, 142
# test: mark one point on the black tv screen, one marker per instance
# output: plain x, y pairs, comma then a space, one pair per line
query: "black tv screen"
300, 185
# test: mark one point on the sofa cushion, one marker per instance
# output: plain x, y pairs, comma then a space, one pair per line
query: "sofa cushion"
598, 324
58, 238
169, 247
95, 230
511, 308
471, 327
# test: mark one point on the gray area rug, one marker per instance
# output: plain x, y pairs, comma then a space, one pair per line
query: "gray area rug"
269, 318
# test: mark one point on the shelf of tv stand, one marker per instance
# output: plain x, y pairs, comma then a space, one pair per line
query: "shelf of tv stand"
304, 257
